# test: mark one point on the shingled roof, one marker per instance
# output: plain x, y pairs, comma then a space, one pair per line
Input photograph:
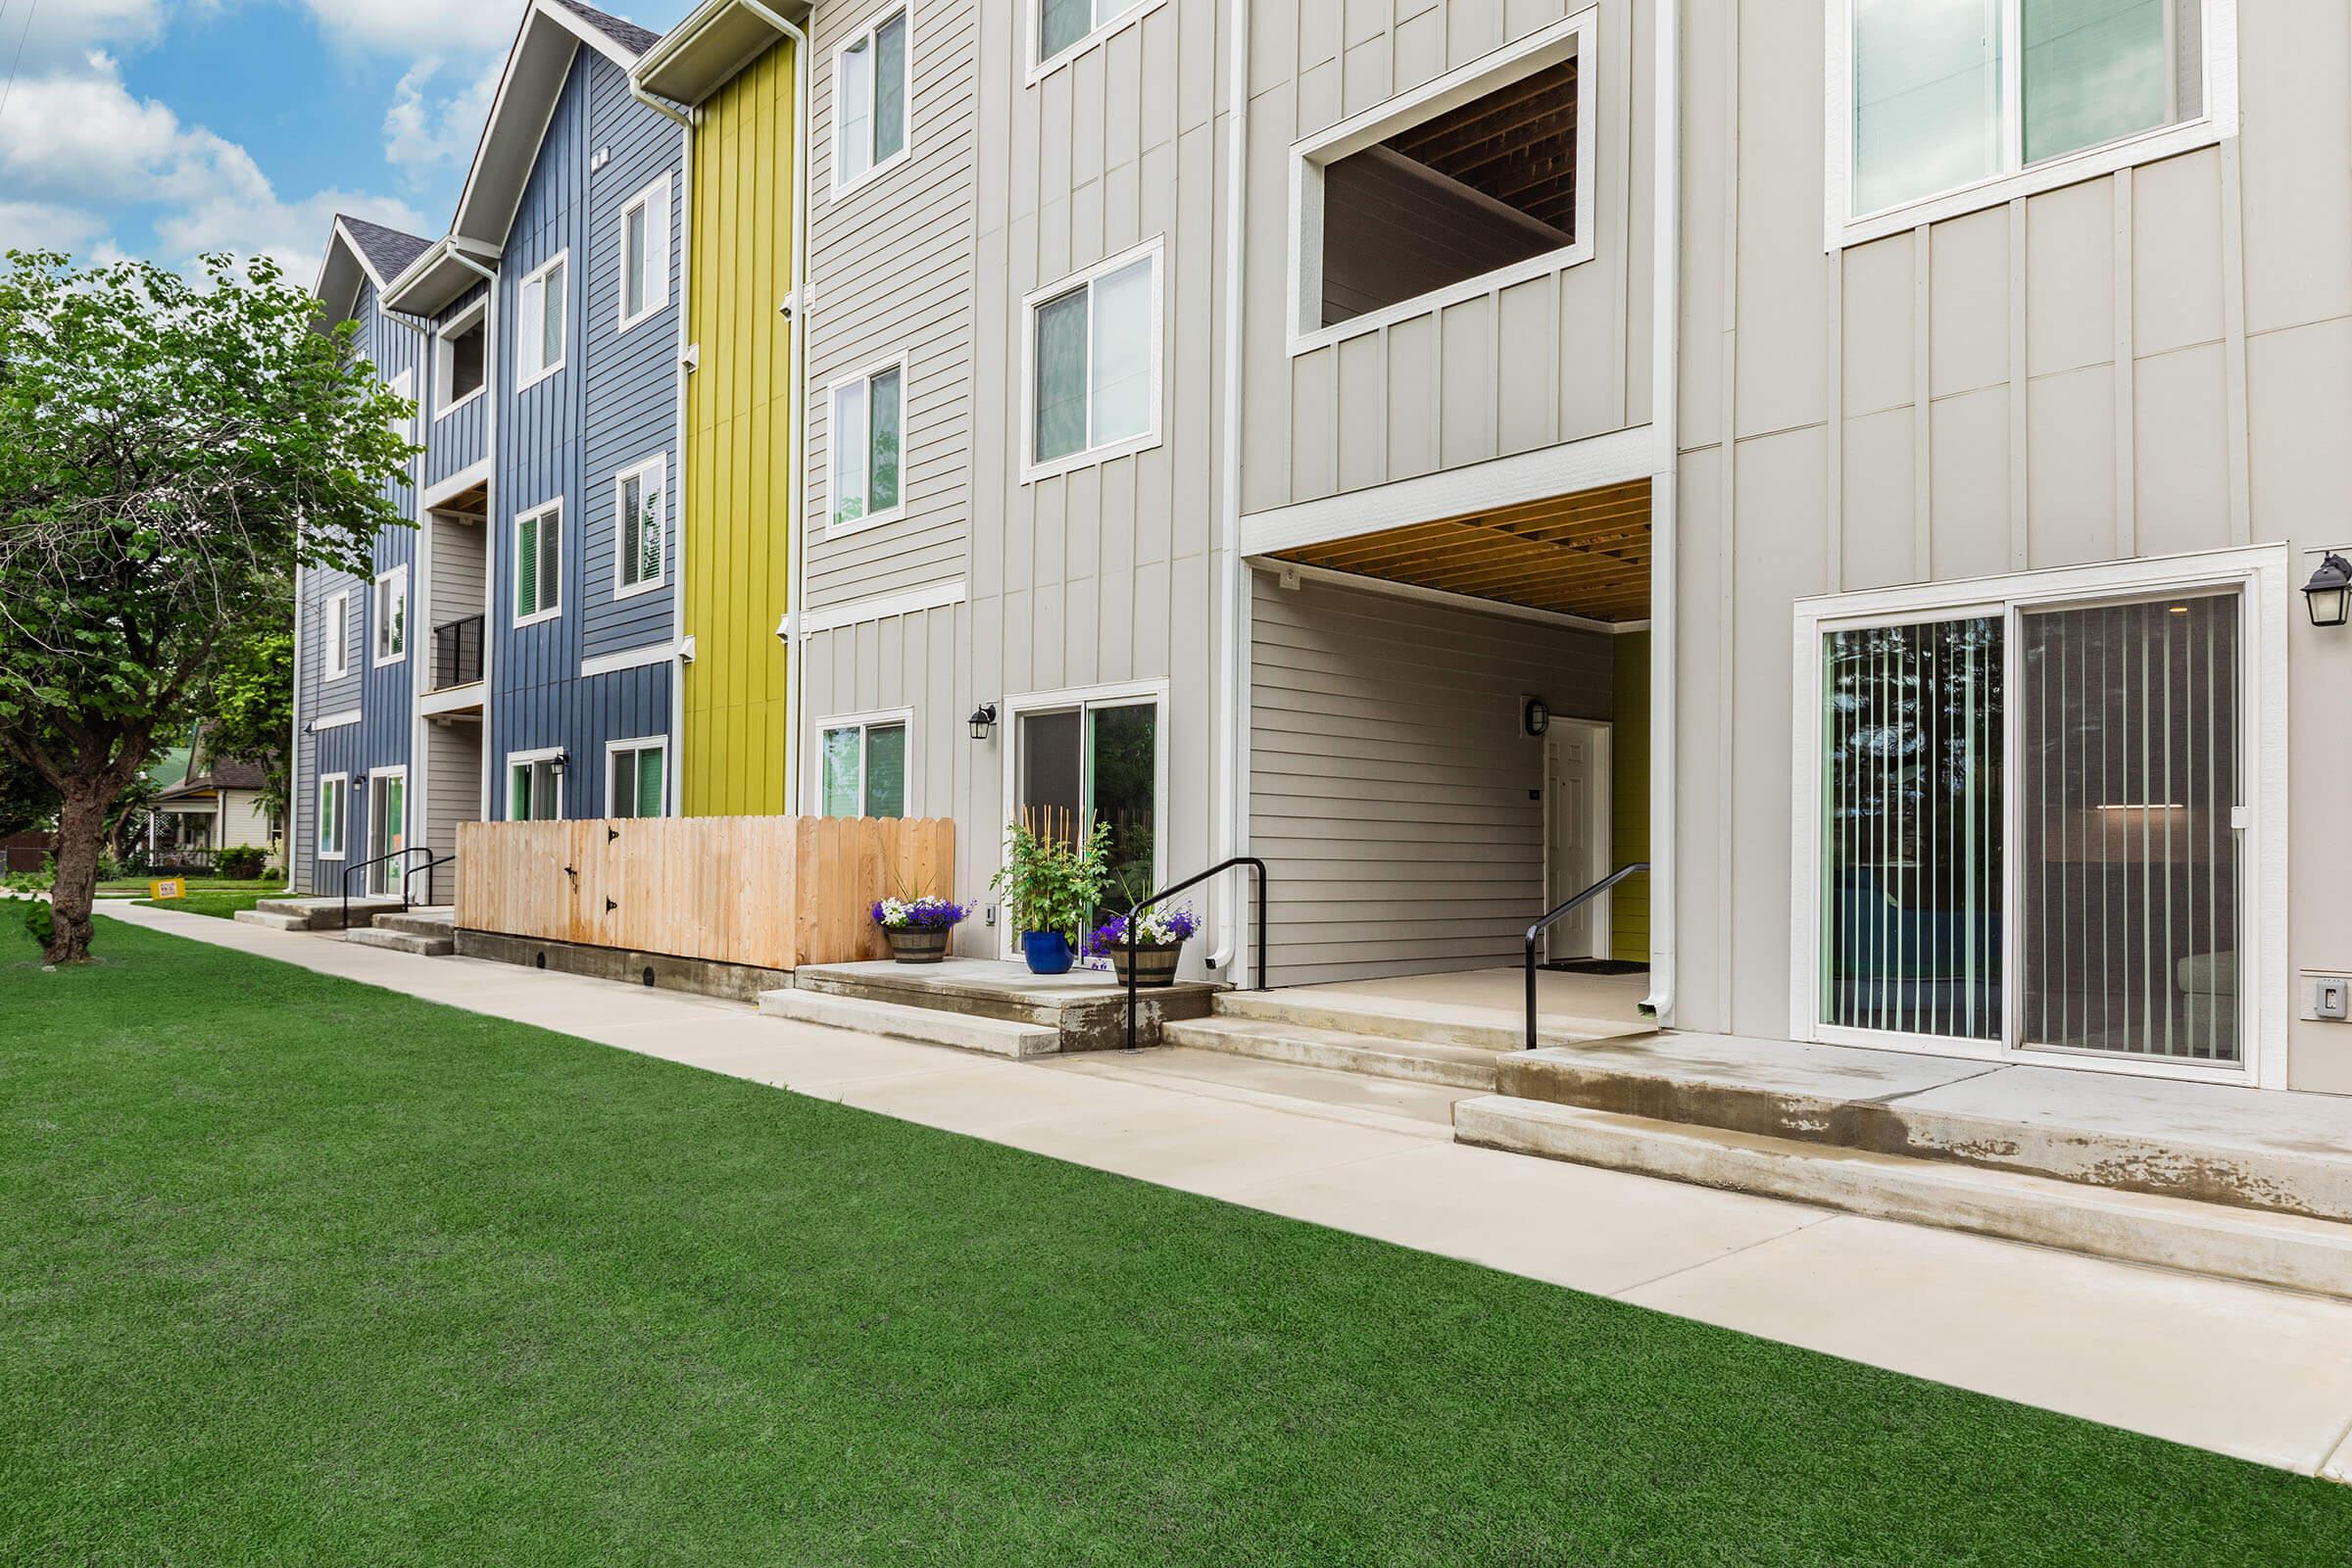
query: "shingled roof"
388, 251
630, 36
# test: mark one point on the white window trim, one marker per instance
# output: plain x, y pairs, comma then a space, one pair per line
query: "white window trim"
657, 467
1039, 69
538, 274
2261, 573
1121, 694
1032, 469
655, 199
843, 187
445, 361
872, 519
515, 760
862, 722
1572, 36
404, 385
338, 635
555, 506
1841, 228
342, 849
613, 752
398, 576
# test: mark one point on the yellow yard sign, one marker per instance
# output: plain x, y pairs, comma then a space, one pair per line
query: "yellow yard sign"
171, 887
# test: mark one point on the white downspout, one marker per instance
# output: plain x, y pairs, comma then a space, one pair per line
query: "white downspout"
674, 764
1230, 576
1665, 392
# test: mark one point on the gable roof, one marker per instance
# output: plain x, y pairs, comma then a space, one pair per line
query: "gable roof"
356, 252
706, 51
630, 36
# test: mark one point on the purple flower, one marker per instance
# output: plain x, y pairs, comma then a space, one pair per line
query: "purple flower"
1155, 928
925, 913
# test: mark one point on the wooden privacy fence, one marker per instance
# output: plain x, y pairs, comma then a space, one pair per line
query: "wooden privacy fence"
776, 892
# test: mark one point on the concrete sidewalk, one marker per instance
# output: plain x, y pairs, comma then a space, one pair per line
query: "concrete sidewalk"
2258, 1373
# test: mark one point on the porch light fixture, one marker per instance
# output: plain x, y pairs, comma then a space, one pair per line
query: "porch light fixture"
555, 764
2328, 594
983, 720
1537, 716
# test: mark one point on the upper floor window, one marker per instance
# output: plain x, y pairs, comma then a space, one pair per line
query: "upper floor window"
868, 415
392, 617
872, 83
1941, 96
640, 513
1477, 180
539, 563
536, 785
1063, 26
539, 322
1093, 346
634, 771
338, 636
462, 359
645, 253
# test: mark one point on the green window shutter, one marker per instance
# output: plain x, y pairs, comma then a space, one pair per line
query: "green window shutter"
649, 782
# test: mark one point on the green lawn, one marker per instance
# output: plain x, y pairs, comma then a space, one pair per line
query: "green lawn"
221, 903
297, 1271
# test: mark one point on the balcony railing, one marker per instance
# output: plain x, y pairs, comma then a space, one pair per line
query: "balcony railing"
458, 653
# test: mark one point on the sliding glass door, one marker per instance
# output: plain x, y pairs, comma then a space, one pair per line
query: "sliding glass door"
2029, 831
1090, 760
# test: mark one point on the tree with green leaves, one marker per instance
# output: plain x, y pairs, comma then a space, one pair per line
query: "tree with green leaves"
169, 451
247, 704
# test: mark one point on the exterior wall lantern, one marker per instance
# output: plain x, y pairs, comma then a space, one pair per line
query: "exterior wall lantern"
557, 762
1535, 716
982, 722
2328, 594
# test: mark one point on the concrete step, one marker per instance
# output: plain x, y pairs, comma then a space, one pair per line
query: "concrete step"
2266, 1248
2211, 1142
1084, 1006
325, 915
417, 922
1415, 1061
1308, 1008
273, 920
930, 1026
423, 946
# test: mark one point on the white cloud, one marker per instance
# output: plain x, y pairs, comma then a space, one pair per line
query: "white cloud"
424, 132
57, 33
408, 29
76, 137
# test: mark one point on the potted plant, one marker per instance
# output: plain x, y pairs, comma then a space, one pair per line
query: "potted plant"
918, 928
1159, 937
1052, 880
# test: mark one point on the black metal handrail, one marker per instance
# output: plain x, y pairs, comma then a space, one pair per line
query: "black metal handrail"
458, 653
1257, 969
350, 871
1536, 932
433, 863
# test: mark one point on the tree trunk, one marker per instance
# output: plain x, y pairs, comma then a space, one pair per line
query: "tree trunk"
81, 837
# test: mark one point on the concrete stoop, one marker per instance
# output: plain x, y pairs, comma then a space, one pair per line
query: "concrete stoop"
2203, 1238
428, 933
315, 914
1345, 1034
1082, 1011
930, 1026
270, 919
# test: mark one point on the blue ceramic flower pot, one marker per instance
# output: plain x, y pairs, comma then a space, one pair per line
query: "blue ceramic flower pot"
1048, 951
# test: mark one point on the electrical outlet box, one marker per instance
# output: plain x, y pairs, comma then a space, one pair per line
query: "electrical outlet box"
2332, 999
991, 914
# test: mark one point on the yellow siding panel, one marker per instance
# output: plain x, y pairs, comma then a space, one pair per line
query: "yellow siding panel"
739, 419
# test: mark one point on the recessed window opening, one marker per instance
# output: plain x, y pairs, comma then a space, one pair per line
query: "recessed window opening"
465, 360
1472, 190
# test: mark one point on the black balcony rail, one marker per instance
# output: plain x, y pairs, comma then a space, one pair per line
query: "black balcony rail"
1258, 969
458, 653
405, 855
429, 870
1535, 933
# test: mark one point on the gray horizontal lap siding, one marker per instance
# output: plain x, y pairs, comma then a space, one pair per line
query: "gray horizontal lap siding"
459, 439
1392, 793
547, 437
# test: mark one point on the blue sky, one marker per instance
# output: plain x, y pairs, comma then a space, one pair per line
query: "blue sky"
161, 129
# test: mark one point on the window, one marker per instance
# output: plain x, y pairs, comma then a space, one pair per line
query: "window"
539, 563
338, 636
865, 766
640, 526
645, 253
1477, 179
1094, 351
461, 358
1935, 96
539, 319
871, 85
392, 617
633, 779
335, 795
2030, 819
1064, 26
535, 786
868, 415
403, 387
1089, 756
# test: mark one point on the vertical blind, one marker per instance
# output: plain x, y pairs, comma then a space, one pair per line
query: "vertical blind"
1911, 830
2128, 769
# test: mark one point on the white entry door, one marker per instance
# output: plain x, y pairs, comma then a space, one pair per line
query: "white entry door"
1576, 833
